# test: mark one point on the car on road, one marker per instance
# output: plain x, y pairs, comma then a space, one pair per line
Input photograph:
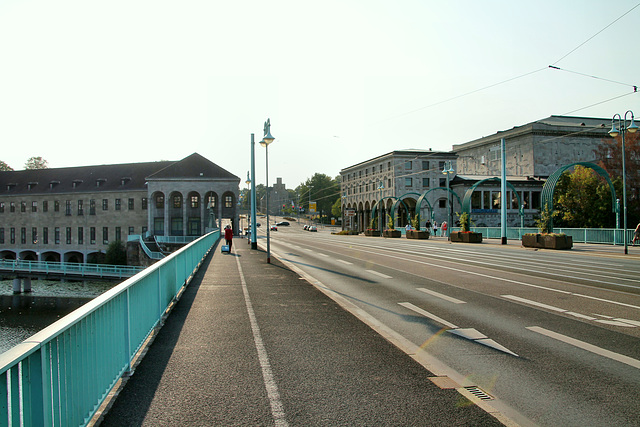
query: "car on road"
283, 223
313, 228
274, 228
306, 227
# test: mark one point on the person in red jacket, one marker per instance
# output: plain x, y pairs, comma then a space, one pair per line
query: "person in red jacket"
228, 236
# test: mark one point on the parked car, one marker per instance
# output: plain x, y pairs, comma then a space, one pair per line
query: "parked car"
306, 227
274, 228
313, 228
283, 223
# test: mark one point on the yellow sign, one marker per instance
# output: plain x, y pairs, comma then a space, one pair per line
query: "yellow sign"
312, 206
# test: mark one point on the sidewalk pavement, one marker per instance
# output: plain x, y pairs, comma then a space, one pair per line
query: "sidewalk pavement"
251, 343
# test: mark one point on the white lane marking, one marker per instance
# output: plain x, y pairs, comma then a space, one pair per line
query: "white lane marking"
277, 410
321, 254
534, 303
384, 276
581, 316
344, 262
586, 346
427, 314
442, 296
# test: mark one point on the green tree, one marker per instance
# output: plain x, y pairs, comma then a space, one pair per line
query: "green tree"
5, 167
583, 200
336, 209
322, 189
36, 163
116, 254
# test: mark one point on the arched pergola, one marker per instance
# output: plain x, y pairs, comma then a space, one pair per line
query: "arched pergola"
424, 197
550, 185
466, 203
392, 213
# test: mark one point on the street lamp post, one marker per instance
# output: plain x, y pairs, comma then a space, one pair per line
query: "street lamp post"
614, 132
266, 140
447, 172
380, 187
248, 182
254, 234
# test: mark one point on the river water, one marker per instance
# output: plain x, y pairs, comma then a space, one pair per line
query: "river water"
23, 315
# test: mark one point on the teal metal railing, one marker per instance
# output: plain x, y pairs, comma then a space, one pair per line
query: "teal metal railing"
609, 236
62, 374
69, 268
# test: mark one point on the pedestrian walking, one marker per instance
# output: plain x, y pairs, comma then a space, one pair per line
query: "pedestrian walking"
636, 234
444, 228
228, 236
435, 228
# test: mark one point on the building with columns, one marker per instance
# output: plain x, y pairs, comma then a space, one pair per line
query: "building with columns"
72, 214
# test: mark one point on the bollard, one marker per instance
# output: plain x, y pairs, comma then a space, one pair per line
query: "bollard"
27, 285
16, 286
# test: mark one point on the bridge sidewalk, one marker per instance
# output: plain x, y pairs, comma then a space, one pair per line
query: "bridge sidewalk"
252, 343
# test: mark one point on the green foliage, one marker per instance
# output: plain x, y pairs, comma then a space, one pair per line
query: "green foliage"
390, 223
373, 224
336, 209
116, 254
322, 189
36, 163
5, 167
544, 222
583, 200
415, 222
464, 221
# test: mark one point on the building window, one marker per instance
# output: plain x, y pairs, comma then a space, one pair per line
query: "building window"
476, 200
1, 235
486, 199
195, 201
425, 165
228, 202
12, 206
495, 200
118, 204
45, 206
12, 236
23, 235
56, 236
441, 165
92, 207
68, 235
80, 207
144, 230
105, 204
144, 203
535, 200
442, 203
67, 209
34, 235
177, 201
92, 235
131, 204
34, 206
56, 206
176, 226
425, 182
212, 202
388, 166
366, 172
23, 206
105, 235
160, 201
80, 236
408, 165
389, 183
443, 182
1, 207
131, 231
45, 235
118, 233
408, 182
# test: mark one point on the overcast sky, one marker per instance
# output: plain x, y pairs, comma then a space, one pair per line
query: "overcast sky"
97, 82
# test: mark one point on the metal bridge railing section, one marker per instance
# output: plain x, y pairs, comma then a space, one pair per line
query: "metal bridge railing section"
68, 268
609, 236
62, 374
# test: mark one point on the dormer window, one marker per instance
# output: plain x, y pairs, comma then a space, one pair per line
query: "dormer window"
11, 186
100, 181
76, 183
53, 184
124, 180
31, 185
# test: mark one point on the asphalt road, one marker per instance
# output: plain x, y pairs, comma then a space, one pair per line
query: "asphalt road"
553, 337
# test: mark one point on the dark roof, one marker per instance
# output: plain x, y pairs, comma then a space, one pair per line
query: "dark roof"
193, 166
120, 177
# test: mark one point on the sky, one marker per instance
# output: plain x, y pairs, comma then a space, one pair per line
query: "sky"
90, 82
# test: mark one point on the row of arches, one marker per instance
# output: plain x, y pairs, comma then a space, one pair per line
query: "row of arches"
54, 256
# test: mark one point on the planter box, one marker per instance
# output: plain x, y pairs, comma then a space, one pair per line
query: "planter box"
372, 233
391, 233
415, 234
547, 241
459, 236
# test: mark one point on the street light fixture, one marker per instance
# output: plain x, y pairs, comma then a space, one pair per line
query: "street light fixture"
266, 140
632, 128
248, 182
381, 187
447, 172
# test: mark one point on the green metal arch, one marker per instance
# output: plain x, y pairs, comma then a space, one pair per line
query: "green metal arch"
550, 185
466, 204
375, 207
424, 197
392, 212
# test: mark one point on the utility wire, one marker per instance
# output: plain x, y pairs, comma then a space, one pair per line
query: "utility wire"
635, 87
589, 39
601, 102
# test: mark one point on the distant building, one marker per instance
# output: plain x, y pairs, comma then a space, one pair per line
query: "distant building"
533, 152
72, 214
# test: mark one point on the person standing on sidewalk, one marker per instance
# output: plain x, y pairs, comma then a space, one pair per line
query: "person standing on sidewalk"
636, 234
228, 236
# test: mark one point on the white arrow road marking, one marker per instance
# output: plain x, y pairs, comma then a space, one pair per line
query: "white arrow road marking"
586, 346
467, 333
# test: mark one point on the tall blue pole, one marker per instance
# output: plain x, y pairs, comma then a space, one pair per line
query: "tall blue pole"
503, 195
254, 241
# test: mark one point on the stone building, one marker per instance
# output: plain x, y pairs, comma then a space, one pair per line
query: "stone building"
72, 214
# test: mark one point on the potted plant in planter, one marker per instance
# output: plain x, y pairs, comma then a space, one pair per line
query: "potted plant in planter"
546, 239
391, 229
464, 235
416, 233
372, 230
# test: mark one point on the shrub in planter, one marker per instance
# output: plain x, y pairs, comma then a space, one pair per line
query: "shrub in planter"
546, 239
372, 232
391, 233
418, 234
466, 237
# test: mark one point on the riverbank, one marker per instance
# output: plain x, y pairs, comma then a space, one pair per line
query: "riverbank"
53, 288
